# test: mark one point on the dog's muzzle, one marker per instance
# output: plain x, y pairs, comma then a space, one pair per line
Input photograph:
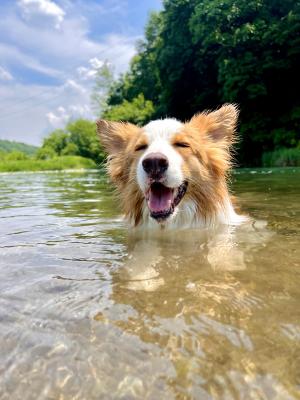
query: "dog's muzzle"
163, 200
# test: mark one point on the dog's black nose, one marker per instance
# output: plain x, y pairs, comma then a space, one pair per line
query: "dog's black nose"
155, 164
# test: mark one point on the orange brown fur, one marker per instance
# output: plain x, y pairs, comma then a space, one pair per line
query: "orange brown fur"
205, 162
120, 139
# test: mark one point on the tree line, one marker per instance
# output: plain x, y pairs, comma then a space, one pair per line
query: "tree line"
78, 138
197, 55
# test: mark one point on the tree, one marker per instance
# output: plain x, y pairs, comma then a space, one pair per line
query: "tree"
45, 153
71, 149
137, 111
143, 75
199, 54
103, 82
57, 141
82, 133
257, 52
78, 138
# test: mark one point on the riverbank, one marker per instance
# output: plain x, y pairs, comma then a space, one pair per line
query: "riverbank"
53, 164
278, 158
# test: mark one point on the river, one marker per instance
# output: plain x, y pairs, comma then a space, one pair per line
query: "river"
89, 310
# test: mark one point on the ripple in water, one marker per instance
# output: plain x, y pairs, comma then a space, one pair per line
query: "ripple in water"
89, 311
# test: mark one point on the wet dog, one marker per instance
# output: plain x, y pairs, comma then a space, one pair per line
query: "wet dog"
171, 174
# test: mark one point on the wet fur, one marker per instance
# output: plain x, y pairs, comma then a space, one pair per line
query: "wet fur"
205, 165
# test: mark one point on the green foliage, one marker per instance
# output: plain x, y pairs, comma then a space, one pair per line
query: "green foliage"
56, 141
199, 54
56, 163
13, 156
78, 138
8, 146
282, 158
137, 111
83, 135
45, 153
143, 76
62, 149
16, 156
71, 149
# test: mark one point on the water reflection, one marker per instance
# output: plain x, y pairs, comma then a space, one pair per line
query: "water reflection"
89, 310
213, 319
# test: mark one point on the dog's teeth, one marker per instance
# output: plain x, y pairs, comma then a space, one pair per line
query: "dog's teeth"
173, 200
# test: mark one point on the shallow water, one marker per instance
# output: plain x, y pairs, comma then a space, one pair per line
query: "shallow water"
88, 311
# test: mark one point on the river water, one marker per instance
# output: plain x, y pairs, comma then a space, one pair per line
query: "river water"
89, 310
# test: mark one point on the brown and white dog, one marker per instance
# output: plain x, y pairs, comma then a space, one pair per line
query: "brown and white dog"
172, 174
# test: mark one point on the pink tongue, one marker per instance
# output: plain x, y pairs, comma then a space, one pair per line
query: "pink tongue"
160, 198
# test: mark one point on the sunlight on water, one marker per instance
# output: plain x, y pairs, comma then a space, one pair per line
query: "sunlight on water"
88, 310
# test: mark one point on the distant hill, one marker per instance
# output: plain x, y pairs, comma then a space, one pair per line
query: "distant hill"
7, 146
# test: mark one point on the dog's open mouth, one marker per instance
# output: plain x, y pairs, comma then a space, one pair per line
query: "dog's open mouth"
162, 200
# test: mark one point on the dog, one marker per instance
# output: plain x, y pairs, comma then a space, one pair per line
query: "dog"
170, 174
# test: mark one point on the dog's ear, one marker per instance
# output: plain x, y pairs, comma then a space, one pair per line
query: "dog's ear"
219, 125
114, 136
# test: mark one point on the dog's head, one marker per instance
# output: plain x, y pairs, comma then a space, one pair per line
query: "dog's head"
168, 166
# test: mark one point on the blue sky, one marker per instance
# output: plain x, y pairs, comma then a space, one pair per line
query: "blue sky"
49, 52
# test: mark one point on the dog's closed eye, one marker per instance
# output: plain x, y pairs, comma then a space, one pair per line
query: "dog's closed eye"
181, 144
141, 147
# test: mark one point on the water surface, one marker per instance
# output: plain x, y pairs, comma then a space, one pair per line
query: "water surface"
90, 311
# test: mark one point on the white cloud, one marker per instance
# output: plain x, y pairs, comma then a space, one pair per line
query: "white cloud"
58, 119
30, 112
13, 56
5, 75
81, 110
86, 73
62, 115
23, 110
52, 49
68, 53
33, 10
74, 86
96, 63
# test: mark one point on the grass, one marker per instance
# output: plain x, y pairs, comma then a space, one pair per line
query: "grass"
53, 164
282, 158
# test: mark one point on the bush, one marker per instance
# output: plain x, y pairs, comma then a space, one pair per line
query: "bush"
70, 150
282, 158
78, 138
82, 133
57, 140
54, 164
45, 153
16, 156
2, 155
